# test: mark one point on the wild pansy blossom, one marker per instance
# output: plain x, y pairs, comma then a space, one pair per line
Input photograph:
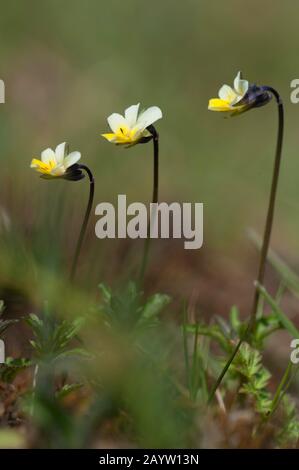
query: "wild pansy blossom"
58, 164
242, 97
132, 128
137, 128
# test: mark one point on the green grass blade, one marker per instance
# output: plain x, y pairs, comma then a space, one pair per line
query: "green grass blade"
284, 320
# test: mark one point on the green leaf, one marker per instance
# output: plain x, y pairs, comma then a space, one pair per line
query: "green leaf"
212, 331
234, 319
289, 434
35, 322
106, 293
254, 377
289, 277
155, 305
74, 352
4, 324
12, 367
284, 320
51, 337
67, 389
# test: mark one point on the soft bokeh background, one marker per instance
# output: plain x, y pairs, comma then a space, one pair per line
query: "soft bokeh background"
68, 64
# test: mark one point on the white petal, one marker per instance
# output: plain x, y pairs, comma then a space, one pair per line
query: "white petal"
60, 152
131, 114
226, 93
59, 170
71, 159
47, 155
240, 85
148, 117
115, 121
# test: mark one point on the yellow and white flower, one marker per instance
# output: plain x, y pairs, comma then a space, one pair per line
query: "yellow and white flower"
131, 128
230, 99
242, 97
58, 163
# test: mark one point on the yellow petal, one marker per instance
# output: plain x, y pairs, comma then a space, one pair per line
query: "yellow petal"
216, 104
40, 166
110, 137
35, 162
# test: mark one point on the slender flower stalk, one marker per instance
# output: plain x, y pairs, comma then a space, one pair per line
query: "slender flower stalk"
137, 128
261, 92
155, 135
85, 220
271, 207
59, 164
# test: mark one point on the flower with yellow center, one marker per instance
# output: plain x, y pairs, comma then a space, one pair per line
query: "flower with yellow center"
242, 97
131, 128
58, 164
230, 97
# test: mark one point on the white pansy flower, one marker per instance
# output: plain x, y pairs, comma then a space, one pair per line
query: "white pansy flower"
56, 163
230, 97
131, 128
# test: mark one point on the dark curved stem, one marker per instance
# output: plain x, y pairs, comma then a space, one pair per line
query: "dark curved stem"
270, 214
85, 220
266, 239
155, 139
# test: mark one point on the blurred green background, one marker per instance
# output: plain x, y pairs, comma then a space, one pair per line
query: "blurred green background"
67, 65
